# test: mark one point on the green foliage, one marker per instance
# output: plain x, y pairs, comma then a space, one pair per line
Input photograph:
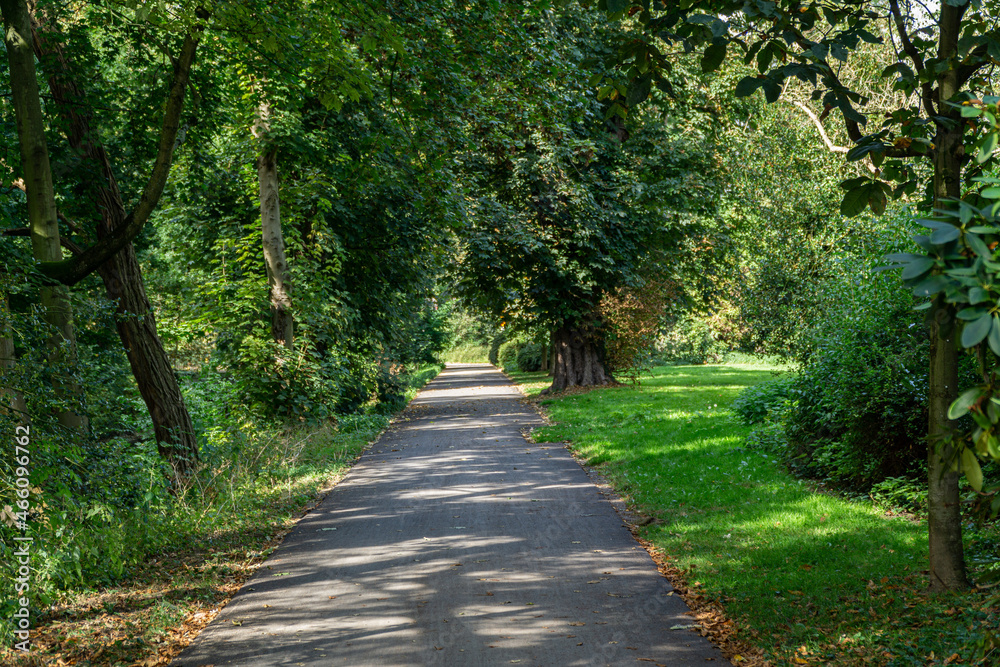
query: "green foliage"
859, 409
764, 402
495, 345
519, 354
901, 493
689, 339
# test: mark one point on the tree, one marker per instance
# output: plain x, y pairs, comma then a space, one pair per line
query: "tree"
937, 60
43, 225
112, 255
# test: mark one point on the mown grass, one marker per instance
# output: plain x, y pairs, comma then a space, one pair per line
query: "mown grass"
209, 541
467, 354
808, 576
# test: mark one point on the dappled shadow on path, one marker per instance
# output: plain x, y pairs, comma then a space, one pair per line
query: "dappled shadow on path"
456, 542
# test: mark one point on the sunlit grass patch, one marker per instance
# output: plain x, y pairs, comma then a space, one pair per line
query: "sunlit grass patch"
810, 577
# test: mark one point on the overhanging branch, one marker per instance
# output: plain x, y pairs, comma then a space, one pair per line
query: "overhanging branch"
74, 269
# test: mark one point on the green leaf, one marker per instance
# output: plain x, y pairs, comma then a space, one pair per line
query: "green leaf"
946, 234
989, 145
969, 314
970, 466
964, 402
854, 182
877, 200
855, 201
639, 91
990, 193
749, 84
978, 246
714, 55
772, 91
615, 6
970, 111
976, 331
978, 295
917, 268
903, 257
994, 337
931, 285
993, 447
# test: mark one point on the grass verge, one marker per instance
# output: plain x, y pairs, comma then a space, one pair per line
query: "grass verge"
213, 539
808, 577
468, 354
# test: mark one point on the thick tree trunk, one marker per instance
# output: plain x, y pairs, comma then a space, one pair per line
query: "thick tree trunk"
579, 360
44, 226
552, 353
158, 386
944, 516
122, 276
278, 278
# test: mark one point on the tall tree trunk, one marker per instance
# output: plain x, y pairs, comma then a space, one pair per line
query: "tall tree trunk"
552, 353
44, 226
579, 353
545, 353
278, 276
154, 376
122, 276
944, 517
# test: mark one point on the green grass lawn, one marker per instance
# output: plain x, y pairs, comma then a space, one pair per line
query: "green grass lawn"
808, 576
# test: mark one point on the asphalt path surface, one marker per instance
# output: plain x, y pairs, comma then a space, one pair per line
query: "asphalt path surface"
455, 541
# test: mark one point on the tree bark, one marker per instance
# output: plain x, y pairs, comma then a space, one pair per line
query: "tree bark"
579, 359
154, 376
120, 271
278, 278
42, 219
944, 517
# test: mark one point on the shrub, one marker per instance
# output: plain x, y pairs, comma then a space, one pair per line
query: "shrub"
495, 345
755, 404
529, 358
689, 340
520, 354
859, 405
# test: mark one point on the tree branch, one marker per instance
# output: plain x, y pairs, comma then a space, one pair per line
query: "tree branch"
826, 138
73, 270
63, 241
926, 90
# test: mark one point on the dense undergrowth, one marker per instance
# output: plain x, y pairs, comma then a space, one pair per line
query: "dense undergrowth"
811, 577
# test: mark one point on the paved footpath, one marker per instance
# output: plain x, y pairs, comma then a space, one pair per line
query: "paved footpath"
454, 541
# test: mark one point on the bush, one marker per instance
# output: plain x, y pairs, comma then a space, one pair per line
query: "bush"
520, 354
529, 358
858, 412
689, 340
766, 401
495, 345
